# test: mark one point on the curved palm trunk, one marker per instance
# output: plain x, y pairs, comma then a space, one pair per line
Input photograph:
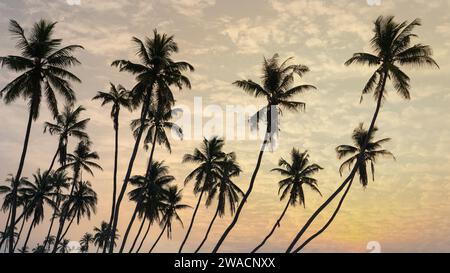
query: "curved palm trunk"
159, 237
6, 226
145, 237
277, 224
127, 232
53, 161
192, 221
137, 235
151, 154
116, 158
127, 175
28, 235
67, 229
20, 233
18, 176
351, 175
244, 199
329, 221
209, 229
55, 210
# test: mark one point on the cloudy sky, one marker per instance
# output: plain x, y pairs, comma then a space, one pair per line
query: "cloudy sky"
405, 210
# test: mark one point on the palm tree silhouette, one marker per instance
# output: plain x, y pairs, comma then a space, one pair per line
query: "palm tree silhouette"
63, 246
43, 64
172, 205
225, 190
392, 48
297, 173
208, 157
372, 152
277, 88
85, 241
147, 196
48, 242
156, 73
119, 97
101, 236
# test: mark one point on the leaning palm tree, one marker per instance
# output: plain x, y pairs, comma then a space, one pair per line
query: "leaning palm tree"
38, 194
208, 158
278, 90
172, 205
225, 190
372, 152
297, 174
392, 46
43, 64
66, 124
155, 75
86, 240
119, 97
147, 196
101, 236
81, 203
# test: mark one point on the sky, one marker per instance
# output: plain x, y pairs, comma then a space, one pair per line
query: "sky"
406, 208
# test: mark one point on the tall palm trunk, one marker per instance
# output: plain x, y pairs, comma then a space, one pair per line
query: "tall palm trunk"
138, 234
151, 154
6, 225
159, 237
18, 176
193, 218
127, 232
247, 194
55, 210
145, 236
20, 233
329, 221
28, 235
53, 162
116, 158
209, 229
277, 224
67, 229
352, 173
128, 173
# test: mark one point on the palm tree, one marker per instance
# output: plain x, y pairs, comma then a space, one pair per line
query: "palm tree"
371, 153
173, 198
119, 97
38, 194
156, 72
149, 192
67, 124
39, 249
208, 158
63, 246
278, 90
82, 202
225, 190
49, 241
43, 64
101, 236
86, 240
392, 46
297, 173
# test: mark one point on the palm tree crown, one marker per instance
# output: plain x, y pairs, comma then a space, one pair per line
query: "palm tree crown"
118, 96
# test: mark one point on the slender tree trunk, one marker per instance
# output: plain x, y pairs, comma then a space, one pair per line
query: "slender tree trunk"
116, 159
244, 199
209, 229
58, 203
53, 161
20, 233
6, 227
128, 173
28, 236
67, 229
145, 236
150, 160
18, 176
277, 224
6, 237
138, 234
127, 232
159, 237
351, 175
329, 221
192, 220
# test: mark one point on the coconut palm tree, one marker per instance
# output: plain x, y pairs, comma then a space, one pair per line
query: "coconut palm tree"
119, 97
101, 236
278, 89
372, 152
39, 249
67, 124
208, 158
225, 190
63, 246
42, 64
86, 240
155, 75
48, 242
38, 194
297, 174
392, 49
172, 205
81, 203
